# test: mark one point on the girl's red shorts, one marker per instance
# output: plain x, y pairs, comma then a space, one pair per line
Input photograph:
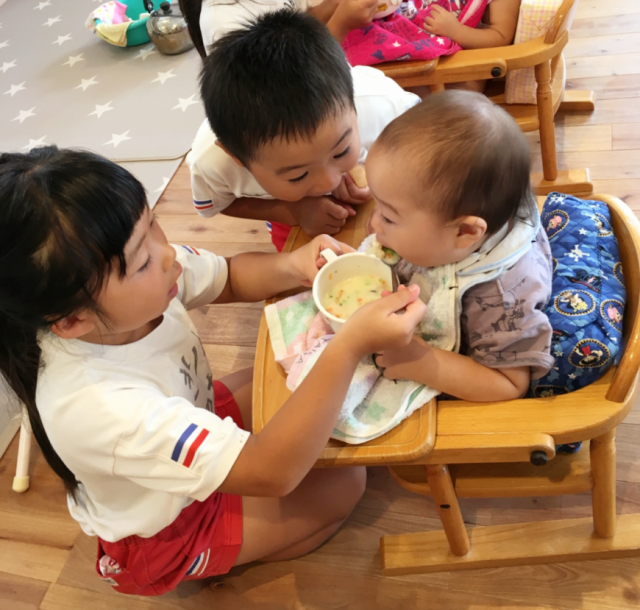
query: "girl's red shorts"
203, 541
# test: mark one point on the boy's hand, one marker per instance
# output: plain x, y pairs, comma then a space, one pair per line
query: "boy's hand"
397, 363
377, 327
318, 215
350, 15
441, 22
306, 261
349, 192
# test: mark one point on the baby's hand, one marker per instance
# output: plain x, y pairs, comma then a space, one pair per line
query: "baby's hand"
306, 261
318, 215
377, 327
349, 192
397, 363
350, 15
441, 22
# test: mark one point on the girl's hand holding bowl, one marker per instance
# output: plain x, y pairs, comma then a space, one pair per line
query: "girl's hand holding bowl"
306, 261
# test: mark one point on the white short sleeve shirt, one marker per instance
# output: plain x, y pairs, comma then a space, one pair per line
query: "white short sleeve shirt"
218, 17
135, 423
217, 180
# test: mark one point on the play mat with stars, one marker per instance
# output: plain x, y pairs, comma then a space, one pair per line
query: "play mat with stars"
61, 84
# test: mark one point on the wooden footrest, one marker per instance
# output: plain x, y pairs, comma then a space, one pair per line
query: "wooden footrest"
565, 474
569, 181
510, 545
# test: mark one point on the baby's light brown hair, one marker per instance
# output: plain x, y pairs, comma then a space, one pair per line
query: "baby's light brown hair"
468, 155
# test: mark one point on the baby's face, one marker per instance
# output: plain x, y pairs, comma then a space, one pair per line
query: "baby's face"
417, 234
293, 169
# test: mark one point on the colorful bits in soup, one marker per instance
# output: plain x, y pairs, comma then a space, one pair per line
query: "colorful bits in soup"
350, 294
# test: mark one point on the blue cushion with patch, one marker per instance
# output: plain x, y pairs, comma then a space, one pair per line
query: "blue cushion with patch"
588, 296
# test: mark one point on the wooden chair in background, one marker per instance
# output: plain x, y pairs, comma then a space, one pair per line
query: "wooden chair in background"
545, 55
454, 449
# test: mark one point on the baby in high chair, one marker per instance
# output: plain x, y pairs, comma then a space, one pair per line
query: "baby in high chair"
450, 178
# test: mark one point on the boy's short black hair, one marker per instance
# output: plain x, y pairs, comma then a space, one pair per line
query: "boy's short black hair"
469, 154
281, 76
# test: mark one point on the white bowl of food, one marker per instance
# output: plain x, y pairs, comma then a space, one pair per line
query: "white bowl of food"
348, 282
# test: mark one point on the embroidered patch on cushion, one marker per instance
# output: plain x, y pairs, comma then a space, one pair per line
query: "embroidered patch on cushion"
586, 309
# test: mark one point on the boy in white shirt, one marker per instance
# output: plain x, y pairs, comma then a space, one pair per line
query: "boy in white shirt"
288, 118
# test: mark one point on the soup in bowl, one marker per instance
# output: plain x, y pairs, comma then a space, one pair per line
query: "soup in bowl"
348, 282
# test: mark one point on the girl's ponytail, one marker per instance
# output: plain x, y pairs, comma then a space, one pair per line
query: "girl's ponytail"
65, 218
20, 363
191, 10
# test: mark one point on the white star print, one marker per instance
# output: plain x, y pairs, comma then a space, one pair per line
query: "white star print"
6, 65
396, 44
184, 103
163, 76
101, 109
42, 5
15, 88
34, 143
4, 44
52, 20
62, 39
144, 53
583, 232
571, 376
118, 138
576, 254
25, 114
558, 353
87, 82
440, 41
161, 188
73, 59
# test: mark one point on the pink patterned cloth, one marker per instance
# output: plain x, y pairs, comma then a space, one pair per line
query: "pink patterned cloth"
400, 35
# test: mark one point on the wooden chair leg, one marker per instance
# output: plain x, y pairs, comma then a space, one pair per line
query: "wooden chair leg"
21, 480
446, 500
545, 116
603, 494
436, 88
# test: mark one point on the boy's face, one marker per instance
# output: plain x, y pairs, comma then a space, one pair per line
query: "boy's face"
404, 221
294, 169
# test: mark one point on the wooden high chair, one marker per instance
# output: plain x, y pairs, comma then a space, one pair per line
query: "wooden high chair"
455, 449
545, 55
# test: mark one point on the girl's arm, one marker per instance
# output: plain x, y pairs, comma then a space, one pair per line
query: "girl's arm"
502, 22
453, 373
255, 276
274, 462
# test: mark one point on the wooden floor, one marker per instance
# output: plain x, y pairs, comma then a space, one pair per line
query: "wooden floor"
47, 564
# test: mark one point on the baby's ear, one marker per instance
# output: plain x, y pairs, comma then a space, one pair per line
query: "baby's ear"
471, 231
72, 327
222, 146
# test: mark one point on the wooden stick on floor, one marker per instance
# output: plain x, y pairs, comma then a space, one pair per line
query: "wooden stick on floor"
21, 480
446, 501
603, 495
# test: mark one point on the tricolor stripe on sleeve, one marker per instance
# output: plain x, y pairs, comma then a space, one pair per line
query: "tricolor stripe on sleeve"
203, 205
191, 250
188, 444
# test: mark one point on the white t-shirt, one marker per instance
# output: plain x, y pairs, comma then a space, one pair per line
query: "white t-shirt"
217, 180
134, 423
218, 17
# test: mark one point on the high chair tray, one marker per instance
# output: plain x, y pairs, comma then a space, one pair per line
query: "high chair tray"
412, 439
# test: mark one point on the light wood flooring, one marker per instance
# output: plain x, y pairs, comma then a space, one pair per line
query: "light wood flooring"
46, 563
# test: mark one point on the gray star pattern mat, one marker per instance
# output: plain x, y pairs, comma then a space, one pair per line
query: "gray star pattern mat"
61, 84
